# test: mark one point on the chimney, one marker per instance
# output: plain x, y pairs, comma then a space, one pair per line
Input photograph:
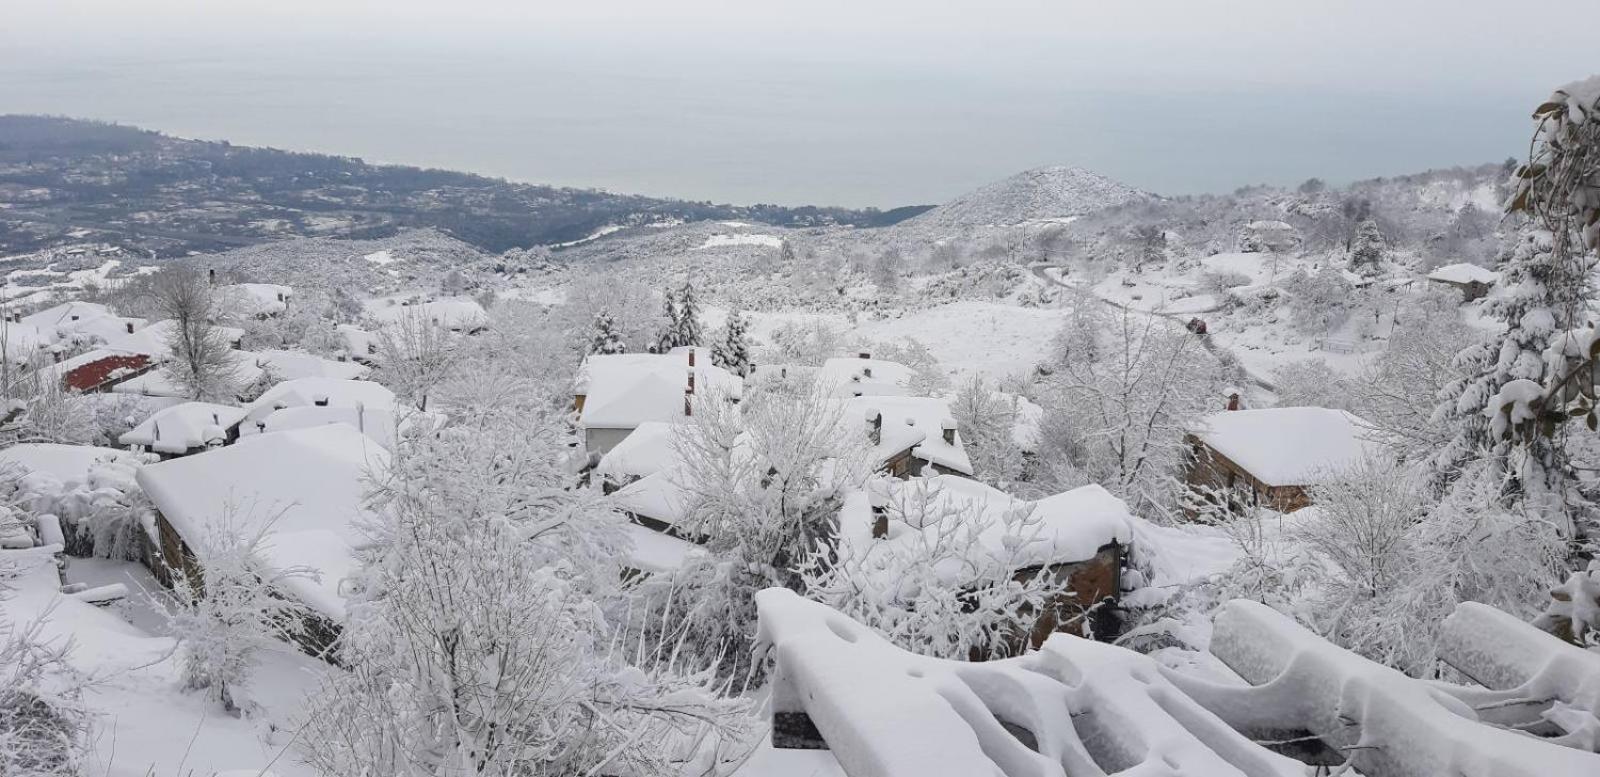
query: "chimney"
688, 404
866, 372
211, 276
1233, 401
875, 433
880, 523
129, 325
691, 357
690, 389
949, 432
864, 354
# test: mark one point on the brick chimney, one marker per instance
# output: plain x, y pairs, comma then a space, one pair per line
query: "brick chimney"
875, 427
691, 359
690, 389
129, 325
1233, 401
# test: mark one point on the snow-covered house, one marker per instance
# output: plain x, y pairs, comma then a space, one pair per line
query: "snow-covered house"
184, 429
63, 485
864, 376
307, 487
317, 392
257, 300
910, 436
458, 314
360, 345
289, 365
1471, 280
1271, 456
379, 423
616, 393
156, 382
1078, 538
1268, 236
153, 340
651, 448
95, 371
82, 322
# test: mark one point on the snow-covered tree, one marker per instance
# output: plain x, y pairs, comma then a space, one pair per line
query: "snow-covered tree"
223, 619
732, 351
689, 330
1398, 390
672, 325
987, 422
763, 483
1120, 420
604, 339
938, 586
886, 270
1321, 301
416, 355
928, 377
478, 642
203, 364
1367, 249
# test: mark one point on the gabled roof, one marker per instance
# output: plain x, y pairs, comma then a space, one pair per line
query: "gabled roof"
463, 313
1464, 273
329, 392
289, 365
253, 299
651, 448
182, 428
917, 424
625, 390
867, 377
378, 423
66, 463
1290, 446
312, 484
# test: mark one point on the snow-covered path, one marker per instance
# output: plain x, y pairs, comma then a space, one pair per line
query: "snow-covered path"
1221, 353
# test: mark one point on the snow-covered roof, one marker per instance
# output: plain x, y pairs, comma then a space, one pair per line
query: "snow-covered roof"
378, 423
357, 341
652, 551
181, 428
867, 377
67, 313
1463, 273
464, 313
254, 299
82, 321
625, 390
649, 449
1065, 528
1289, 446
288, 365
156, 383
329, 392
659, 496
24, 341
152, 340
915, 423
310, 483
66, 463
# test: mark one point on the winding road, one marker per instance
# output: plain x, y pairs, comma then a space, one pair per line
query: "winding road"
1222, 354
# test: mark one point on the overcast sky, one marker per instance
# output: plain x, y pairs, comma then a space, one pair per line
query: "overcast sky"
878, 102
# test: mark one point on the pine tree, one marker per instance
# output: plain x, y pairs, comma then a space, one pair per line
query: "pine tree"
1543, 297
605, 339
669, 335
1366, 253
732, 352
689, 329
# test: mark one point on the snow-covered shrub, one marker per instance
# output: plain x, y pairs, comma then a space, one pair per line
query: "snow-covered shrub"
44, 724
225, 616
1220, 283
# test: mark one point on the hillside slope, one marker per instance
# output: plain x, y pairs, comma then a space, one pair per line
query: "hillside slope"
1042, 193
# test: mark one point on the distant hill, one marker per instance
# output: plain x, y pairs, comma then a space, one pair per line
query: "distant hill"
1033, 195
67, 181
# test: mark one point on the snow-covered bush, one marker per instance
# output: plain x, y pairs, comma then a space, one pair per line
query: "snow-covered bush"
987, 423
224, 617
44, 723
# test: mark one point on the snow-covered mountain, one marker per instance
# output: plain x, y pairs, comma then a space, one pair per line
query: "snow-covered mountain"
1042, 193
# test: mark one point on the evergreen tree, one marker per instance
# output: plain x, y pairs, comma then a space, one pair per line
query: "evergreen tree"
689, 330
605, 339
1366, 253
732, 352
1543, 297
669, 335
